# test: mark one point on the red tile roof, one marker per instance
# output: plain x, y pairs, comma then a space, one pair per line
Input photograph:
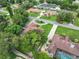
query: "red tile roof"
64, 44
33, 10
31, 26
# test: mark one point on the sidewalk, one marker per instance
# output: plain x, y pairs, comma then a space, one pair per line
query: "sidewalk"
52, 31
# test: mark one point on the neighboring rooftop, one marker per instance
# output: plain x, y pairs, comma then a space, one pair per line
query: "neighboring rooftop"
48, 6
64, 44
31, 26
33, 10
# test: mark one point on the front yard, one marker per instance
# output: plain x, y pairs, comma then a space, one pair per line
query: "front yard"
51, 18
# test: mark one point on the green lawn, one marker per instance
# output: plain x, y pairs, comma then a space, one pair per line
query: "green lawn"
47, 28
51, 18
34, 14
43, 55
73, 34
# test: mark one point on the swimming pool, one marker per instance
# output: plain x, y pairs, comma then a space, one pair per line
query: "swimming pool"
63, 55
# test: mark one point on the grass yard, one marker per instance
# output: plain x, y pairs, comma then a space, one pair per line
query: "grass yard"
34, 14
47, 28
73, 34
51, 18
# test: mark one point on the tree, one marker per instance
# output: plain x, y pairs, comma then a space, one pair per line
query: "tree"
43, 55
77, 12
3, 22
65, 16
4, 48
14, 28
65, 4
28, 3
32, 40
7, 42
9, 9
76, 40
73, 7
3, 3
20, 17
70, 1
11, 1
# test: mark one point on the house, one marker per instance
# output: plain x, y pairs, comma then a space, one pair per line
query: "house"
50, 13
62, 47
31, 26
33, 10
51, 9
47, 6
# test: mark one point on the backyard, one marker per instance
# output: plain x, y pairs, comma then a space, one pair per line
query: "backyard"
73, 34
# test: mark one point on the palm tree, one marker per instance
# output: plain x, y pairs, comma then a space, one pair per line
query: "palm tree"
9, 9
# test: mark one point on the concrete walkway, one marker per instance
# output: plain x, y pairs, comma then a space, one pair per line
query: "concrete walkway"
38, 17
52, 32
71, 26
50, 36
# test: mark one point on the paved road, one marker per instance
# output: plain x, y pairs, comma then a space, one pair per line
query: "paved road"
71, 26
